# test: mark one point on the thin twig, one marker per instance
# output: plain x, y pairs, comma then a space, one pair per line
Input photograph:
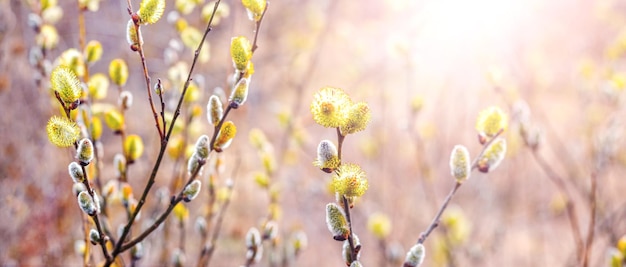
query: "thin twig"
258, 27
570, 208
147, 78
164, 141
150, 183
90, 190
592, 219
353, 250
155, 225
82, 33
203, 258
218, 127
435, 221
220, 218
160, 93
340, 139
98, 163
346, 205
95, 217
485, 146
218, 226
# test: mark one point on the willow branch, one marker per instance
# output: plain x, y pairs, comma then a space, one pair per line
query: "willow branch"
354, 251
161, 219
435, 221
95, 217
258, 27
346, 206
164, 142
90, 190
147, 78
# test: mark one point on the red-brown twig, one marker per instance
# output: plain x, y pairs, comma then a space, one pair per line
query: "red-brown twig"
158, 221
164, 140
258, 27
145, 70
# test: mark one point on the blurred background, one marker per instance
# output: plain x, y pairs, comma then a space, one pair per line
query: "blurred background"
426, 69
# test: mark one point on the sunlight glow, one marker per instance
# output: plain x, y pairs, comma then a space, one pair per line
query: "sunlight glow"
471, 23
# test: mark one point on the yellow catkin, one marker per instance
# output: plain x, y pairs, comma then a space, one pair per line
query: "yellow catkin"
379, 224
255, 8
191, 37
98, 86
64, 81
180, 212
350, 181
415, 256
358, 116
175, 147
114, 119
85, 151
225, 136
460, 165
214, 110
48, 37
62, 132
133, 147
193, 93
150, 11
336, 222
240, 52
494, 154
330, 106
490, 121
72, 59
327, 156
257, 138
93, 51
223, 10
191, 191
133, 36
240, 93
118, 71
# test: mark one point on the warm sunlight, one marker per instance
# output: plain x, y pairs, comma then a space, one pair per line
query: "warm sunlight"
471, 22
449, 35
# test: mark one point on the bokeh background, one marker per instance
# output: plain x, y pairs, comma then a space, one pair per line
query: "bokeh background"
426, 69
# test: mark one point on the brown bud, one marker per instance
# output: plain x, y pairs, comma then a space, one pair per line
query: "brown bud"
482, 139
136, 18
